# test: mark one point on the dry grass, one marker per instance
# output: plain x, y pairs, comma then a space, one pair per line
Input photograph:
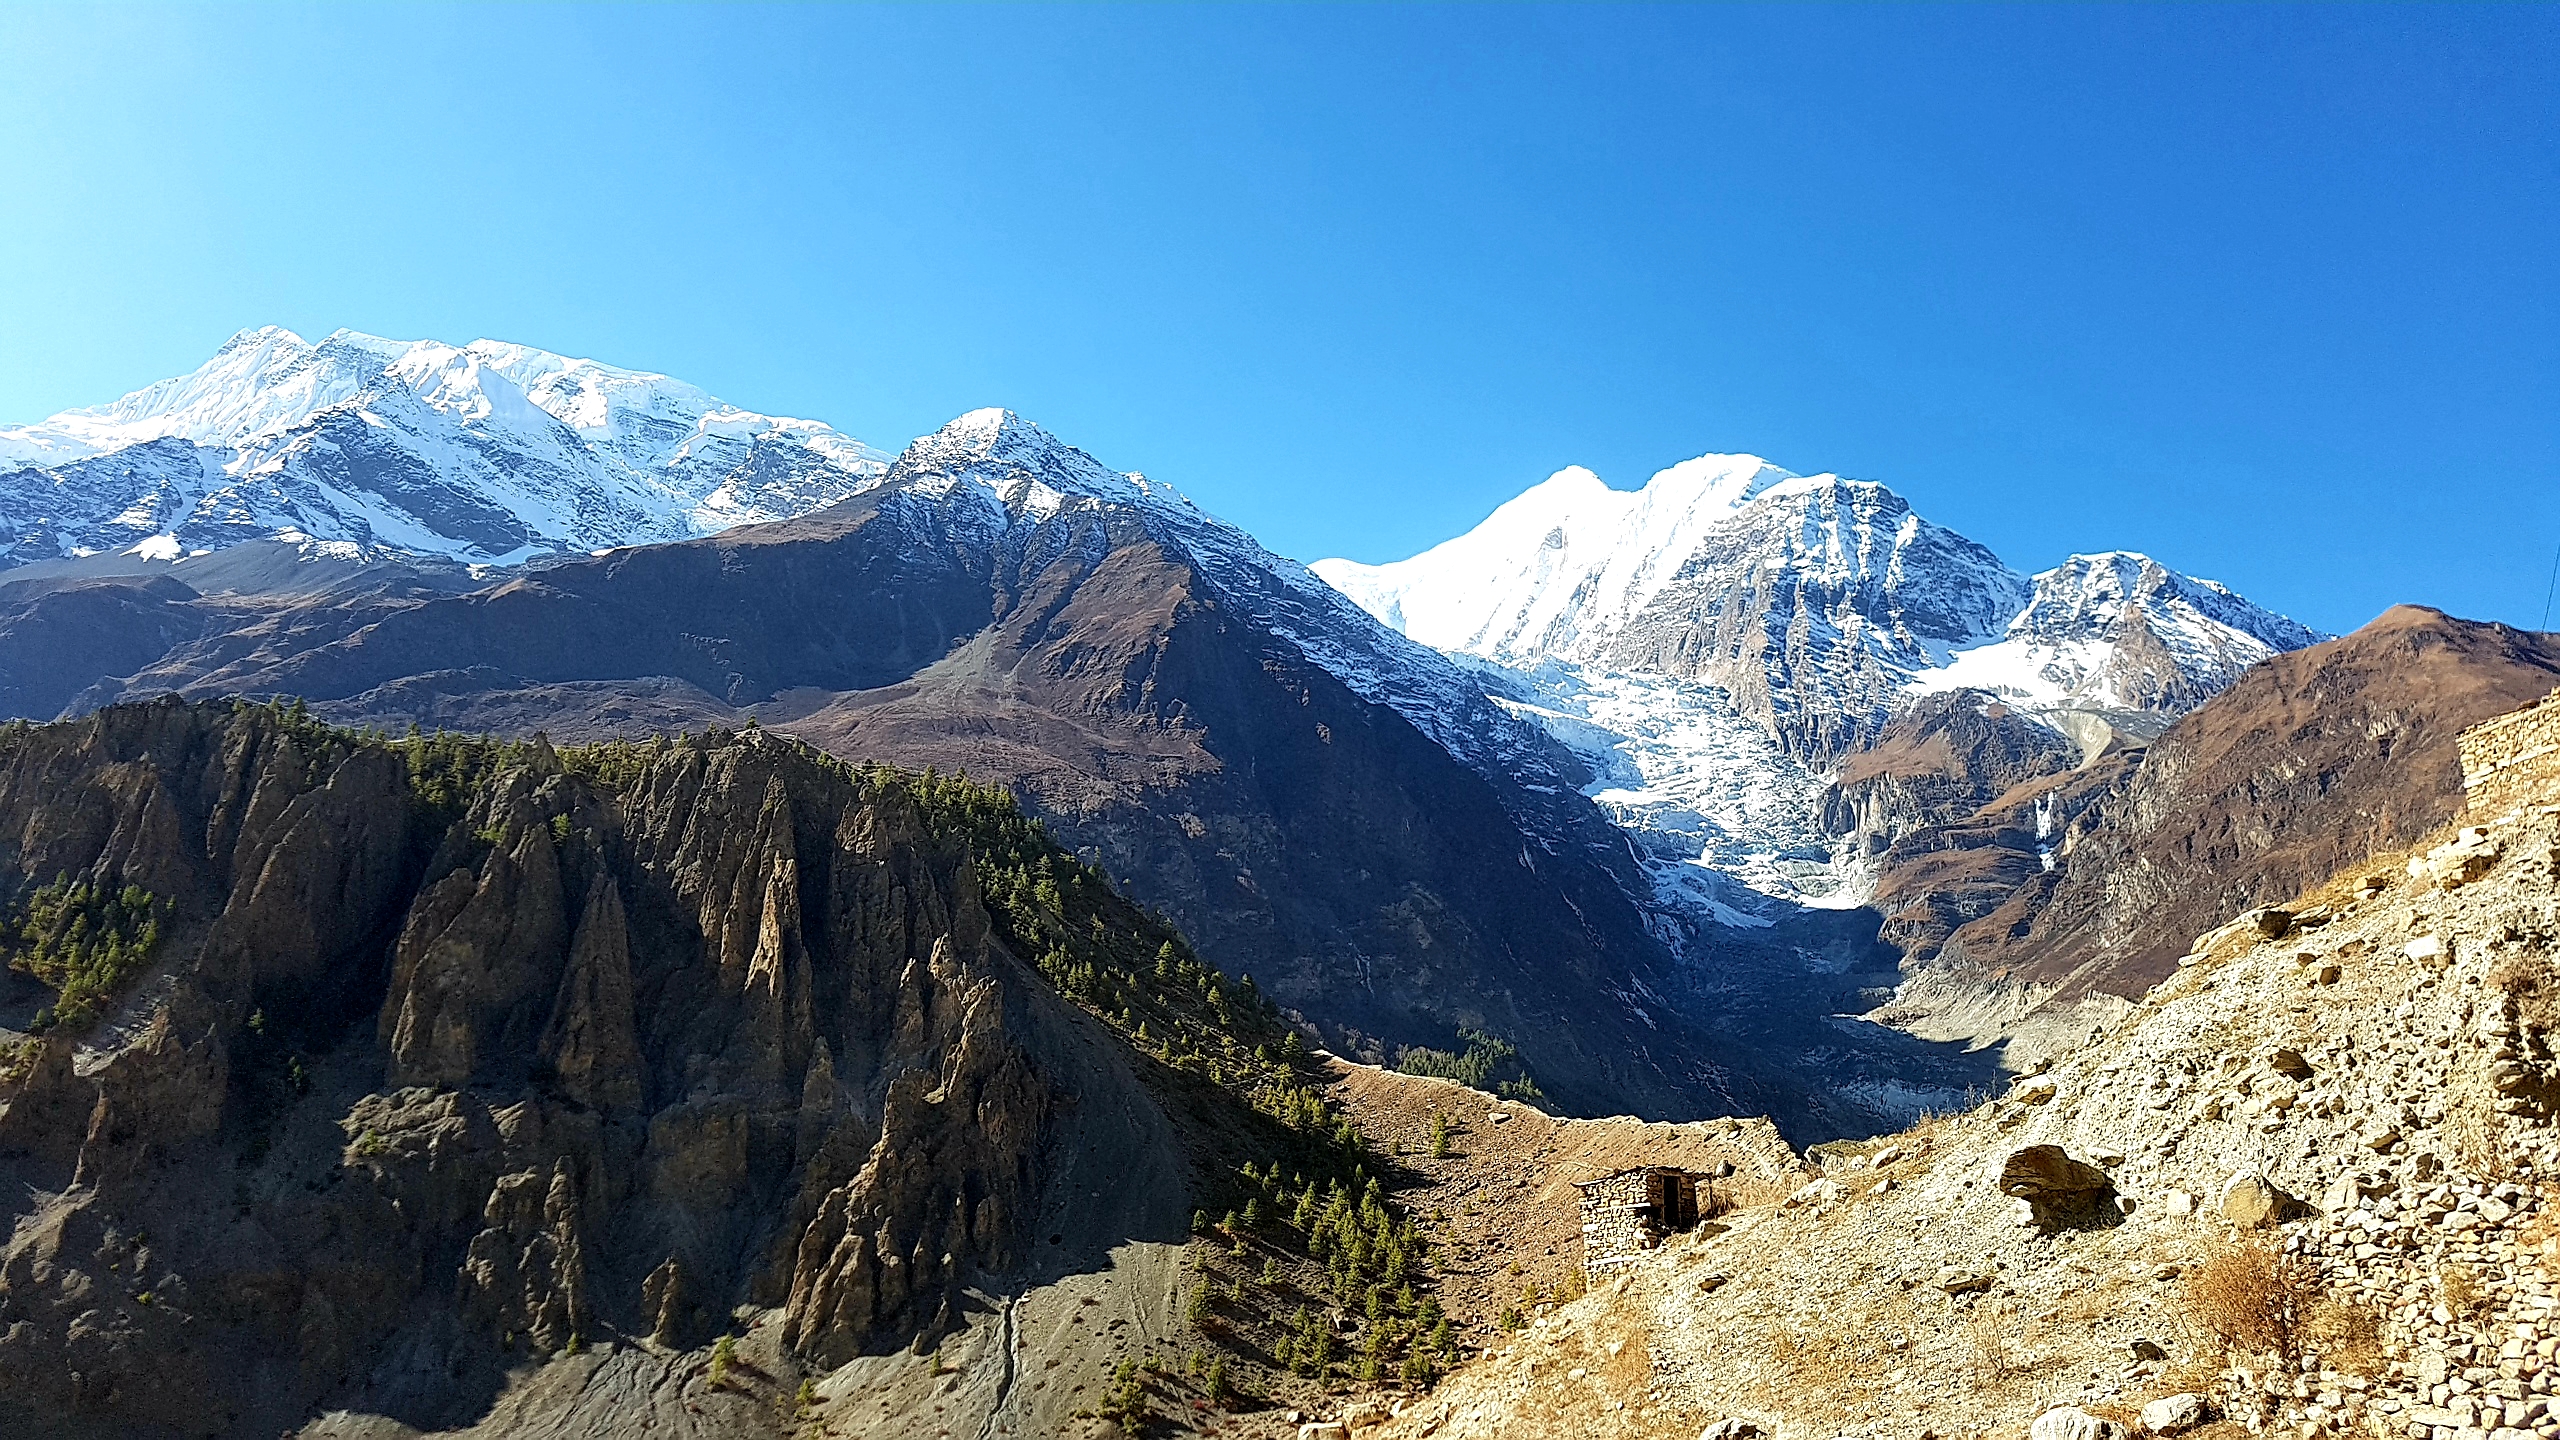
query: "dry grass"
2126, 1413
2474, 1132
2256, 1299
2462, 1293
2099, 1298
2540, 1236
1991, 1334
2529, 982
2347, 1336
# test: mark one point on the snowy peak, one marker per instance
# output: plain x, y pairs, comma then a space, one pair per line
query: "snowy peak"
260, 382
1816, 600
1556, 570
2100, 594
1022, 465
1855, 547
489, 452
2120, 631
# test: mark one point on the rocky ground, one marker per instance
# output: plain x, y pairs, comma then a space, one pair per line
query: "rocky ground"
2348, 1093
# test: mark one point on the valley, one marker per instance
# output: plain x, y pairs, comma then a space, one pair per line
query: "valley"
541, 902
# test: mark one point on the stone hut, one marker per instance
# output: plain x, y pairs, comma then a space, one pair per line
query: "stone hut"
1628, 1213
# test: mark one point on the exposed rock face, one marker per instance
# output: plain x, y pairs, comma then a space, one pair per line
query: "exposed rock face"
526, 1273
503, 1057
1937, 763
1812, 606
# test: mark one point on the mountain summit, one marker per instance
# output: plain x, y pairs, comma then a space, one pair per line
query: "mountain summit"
1716, 643
1818, 603
486, 453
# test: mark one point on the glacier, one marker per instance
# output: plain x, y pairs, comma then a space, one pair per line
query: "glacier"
1713, 641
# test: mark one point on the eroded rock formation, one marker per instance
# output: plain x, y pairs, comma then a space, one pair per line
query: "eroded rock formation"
483, 1053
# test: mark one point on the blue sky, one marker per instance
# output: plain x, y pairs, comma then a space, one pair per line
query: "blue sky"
2267, 292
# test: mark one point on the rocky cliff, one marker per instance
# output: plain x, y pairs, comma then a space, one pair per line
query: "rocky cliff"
347, 1075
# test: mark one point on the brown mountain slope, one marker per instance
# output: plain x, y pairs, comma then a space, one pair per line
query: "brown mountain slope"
2309, 763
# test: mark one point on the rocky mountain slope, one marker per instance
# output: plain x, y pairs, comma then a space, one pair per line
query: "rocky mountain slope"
440, 1083
2022, 877
2303, 1187
485, 453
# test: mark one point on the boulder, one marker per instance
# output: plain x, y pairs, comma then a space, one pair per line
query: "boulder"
2459, 861
2251, 927
1820, 1192
2057, 1189
1957, 1280
2171, 1414
2269, 922
1733, 1429
2250, 1200
2069, 1422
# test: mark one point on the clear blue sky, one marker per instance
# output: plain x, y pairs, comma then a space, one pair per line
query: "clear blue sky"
2267, 292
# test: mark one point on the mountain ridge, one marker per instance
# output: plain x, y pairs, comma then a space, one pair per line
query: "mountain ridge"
487, 453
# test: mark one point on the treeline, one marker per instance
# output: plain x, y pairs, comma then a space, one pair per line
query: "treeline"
1488, 1062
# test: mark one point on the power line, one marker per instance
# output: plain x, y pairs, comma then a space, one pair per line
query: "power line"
2548, 590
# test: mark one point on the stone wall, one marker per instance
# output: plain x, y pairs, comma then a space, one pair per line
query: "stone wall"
2513, 760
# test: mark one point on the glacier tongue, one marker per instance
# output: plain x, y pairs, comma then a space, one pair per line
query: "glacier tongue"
1721, 818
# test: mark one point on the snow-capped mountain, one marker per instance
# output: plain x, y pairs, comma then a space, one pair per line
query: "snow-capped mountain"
1556, 571
2121, 632
483, 453
1813, 601
1713, 641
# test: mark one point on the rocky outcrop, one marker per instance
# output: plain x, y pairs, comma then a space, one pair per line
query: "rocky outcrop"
476, 1051
1939, 763
526, 1274
2052, 1187
1813, 605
